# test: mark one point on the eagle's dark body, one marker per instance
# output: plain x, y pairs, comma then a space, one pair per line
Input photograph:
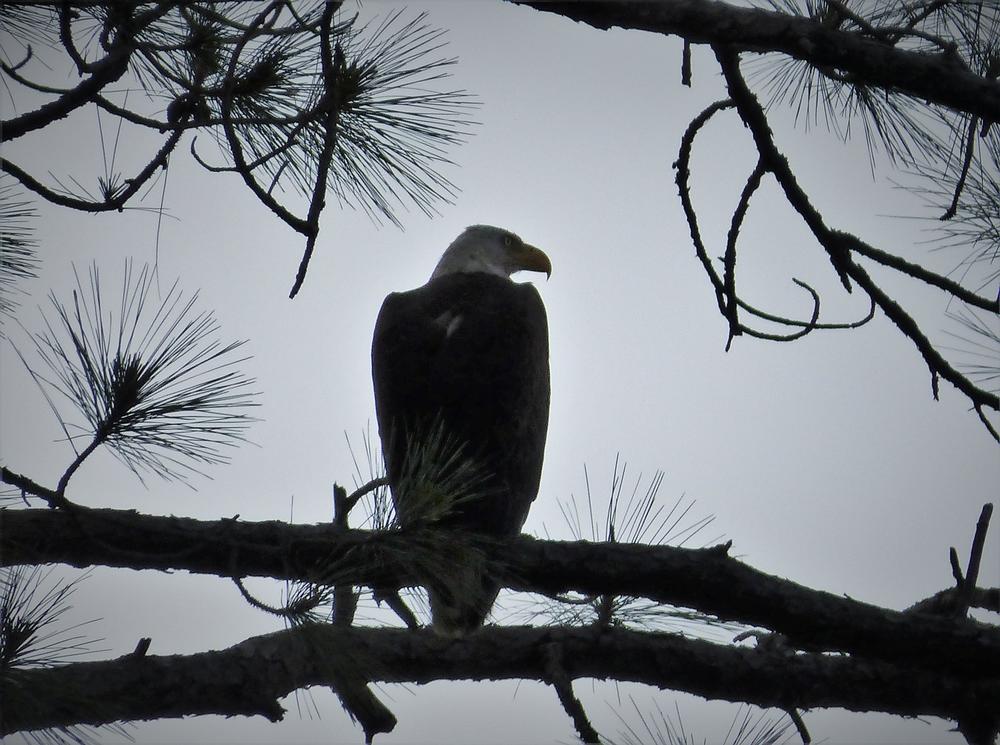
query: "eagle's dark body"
466, 356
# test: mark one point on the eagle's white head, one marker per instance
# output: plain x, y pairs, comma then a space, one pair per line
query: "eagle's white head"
484, 248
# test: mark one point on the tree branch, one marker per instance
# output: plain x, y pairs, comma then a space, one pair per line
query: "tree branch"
271, 666
837, 244
937, 77
708, 580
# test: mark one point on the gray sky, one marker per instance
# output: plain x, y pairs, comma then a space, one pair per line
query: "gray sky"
825, 461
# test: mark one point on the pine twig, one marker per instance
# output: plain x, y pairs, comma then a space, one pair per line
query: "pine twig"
557, 678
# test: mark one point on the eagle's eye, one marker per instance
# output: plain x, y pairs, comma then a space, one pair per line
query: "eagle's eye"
508, 241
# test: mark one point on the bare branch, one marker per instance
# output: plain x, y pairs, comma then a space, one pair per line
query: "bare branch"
115, 201
271, 666
705, 579
332, 61
975, 559
557, 678
838, 245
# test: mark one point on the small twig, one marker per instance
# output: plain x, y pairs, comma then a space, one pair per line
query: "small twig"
682, 166
806, 326
755, 119
858, 246
115, 202
795, 322
66, 15
956, 568
232, 139
11, 72
27, 486
986, 422
294, 610
290, 141
333, 64
729, 263
371, 486
108, 70
975, 558
970, 146
557, 678
725, 292
396, 604
142, 647
11, 69
686, 64
258, 604
800, 725
99, 439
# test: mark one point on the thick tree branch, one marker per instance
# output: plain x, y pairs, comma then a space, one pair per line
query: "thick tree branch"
937, 77
708, 580
271, 666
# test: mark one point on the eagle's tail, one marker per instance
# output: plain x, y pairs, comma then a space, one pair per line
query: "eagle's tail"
463, 604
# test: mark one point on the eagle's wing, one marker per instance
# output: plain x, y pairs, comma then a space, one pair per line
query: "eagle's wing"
468, 353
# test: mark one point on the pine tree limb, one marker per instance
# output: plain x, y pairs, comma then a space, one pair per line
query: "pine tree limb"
936, 77
271, 666
708, 580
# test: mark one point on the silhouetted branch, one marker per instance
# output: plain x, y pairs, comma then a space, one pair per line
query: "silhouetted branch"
114, 200
725, 287
936, 77
556, 676
968, 586
970, 143
332, 65
839, 245
271, 666
708, 580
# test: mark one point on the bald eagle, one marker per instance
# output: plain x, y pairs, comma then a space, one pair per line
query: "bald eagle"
461, 373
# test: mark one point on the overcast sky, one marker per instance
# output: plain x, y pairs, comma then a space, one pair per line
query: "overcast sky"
826, 461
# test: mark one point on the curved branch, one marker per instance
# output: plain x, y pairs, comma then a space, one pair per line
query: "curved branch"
725, 287
13, 74
290, 141
683, 167
837, 244
806, 326
729, 262
235, 147
66, 15
793, 322
116, 201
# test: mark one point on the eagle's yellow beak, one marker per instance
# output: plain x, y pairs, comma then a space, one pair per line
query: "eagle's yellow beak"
531, 259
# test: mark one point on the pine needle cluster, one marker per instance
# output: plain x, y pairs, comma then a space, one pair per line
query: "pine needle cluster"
632, 515
18, 245
148, 376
